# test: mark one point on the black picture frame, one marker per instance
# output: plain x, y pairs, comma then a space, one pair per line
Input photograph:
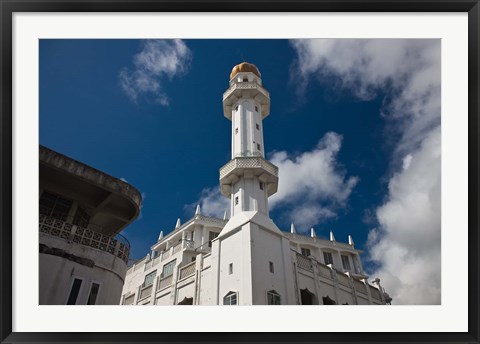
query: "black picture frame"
9, 7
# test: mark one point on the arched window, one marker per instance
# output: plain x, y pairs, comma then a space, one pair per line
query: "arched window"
328, 301
186, 301
231, 298
307, 297
273, 298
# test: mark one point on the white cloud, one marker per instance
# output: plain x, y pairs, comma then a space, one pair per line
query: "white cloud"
312, 186
407, 243
158, 60
212, 203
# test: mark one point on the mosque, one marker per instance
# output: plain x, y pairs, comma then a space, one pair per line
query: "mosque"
247, 259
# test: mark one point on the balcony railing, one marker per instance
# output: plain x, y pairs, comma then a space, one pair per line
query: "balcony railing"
248, 162
165, 282
187, 270
117, 245
243, 86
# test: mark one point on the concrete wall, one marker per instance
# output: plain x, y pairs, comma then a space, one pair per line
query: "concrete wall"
57, 272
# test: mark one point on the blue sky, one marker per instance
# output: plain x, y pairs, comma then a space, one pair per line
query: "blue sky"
354, 128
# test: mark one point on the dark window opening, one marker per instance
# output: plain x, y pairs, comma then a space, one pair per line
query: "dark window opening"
230, 268
236, 200
256, 109
54, 206
186, 301
258, 146
92, 298
270, 264
258, 127
345, 262
211, 236
306, 252
72, 298
327, 257
273, 298
328, 301
261, 185
306, 297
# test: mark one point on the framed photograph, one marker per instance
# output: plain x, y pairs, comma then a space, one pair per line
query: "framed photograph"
239, 154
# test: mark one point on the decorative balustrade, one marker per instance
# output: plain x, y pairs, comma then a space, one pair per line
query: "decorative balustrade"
188, 244
304, 262
324, 271
244, 86
165, 282
360, 286
187, 270
118, 245
145, 292
343, 279
165, 255
177, 248
248, 162
375, 293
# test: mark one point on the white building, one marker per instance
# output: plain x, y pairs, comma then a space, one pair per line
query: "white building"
247, 259
83, 258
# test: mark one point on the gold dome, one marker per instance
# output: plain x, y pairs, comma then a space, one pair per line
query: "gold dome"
245, 67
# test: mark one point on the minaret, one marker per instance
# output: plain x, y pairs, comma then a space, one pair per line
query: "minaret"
248, 179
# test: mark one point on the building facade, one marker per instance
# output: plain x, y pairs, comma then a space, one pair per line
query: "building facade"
83, 258
247, 259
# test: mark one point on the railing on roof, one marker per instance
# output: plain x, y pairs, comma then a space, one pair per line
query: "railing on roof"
117, 245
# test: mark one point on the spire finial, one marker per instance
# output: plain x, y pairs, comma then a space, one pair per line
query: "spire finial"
292, 229
312, 233
178, 223
350, 241
160, 237
197, 210
332, 237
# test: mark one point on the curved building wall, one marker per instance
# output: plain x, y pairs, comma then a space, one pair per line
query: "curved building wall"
61, 262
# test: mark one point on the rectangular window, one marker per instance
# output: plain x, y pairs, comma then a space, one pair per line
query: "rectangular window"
271, 267
92, 297
256, 108
327, 257
150, 277
345, 262
168, 268
236, 200
129, 300
273, 298
258, 146
236, 130
211, 236
72, 298
236, 108
230, 268
258, 127
261, 185
230, 298
306, 252
54, 206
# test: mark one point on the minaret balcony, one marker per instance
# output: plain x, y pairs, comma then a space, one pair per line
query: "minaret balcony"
250, 90
240, 167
